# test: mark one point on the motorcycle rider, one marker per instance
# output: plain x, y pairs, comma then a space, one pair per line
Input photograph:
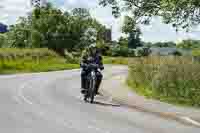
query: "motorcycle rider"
91, 55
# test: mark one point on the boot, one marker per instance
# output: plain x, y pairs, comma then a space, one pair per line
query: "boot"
83, 91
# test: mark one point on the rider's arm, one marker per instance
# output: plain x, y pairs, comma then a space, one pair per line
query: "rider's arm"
101, 62
83, 62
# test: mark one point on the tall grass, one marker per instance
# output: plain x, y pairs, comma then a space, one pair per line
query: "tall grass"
171, 79
196, 52
32, 60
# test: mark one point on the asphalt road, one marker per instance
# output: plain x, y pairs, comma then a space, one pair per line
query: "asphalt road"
51, 103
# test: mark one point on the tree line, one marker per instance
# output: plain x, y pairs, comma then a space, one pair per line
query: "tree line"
49, 27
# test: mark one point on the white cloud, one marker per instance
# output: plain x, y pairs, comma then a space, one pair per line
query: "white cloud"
158, 31
103, 15
10, 10
72, 1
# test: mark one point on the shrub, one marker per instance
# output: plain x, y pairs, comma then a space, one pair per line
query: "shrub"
104, 48
142, 51
72, 57
2, 40
177, 53
122, 51
196, 52
131, 53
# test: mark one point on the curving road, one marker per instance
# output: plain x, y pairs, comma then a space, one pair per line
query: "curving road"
51, 103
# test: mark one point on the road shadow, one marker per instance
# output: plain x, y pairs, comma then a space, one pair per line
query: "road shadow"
106, 104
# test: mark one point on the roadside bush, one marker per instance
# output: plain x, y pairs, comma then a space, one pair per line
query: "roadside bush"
142, 51
2, 40
171, 79
122, 51
196, 52
104, 48
177, 53
72, 57
131, 53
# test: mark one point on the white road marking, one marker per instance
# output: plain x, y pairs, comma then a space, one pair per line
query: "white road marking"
96, 128
191, 121
35, 74
26, 84
20, 93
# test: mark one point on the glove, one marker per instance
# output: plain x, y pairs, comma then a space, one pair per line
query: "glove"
84, 65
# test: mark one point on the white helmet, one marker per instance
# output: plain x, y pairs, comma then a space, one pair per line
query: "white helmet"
91, 34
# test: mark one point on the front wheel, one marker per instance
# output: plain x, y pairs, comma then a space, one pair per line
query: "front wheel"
85, 97
92, 90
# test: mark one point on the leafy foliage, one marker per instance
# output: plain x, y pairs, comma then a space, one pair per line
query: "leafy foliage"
177, 53
133, 31
189, 44
3, 40
134, 40
179, 13
160, 44
196, 52
123, 41
81, 13
142, 51
48, 27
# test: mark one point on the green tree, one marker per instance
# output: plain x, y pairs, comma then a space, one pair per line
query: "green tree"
134, 39
129, 25
189, 44
49, 27
82, 13
182, 13
3, 40
133, 31
123, 41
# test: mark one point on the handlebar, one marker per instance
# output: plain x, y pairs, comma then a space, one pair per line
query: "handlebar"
93, 66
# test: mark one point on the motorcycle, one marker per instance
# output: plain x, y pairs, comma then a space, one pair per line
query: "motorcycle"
91, 83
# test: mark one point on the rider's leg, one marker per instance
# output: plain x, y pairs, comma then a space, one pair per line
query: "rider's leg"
83, 80
99, 79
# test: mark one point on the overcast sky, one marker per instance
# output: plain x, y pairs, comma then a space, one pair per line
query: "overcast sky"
10, 10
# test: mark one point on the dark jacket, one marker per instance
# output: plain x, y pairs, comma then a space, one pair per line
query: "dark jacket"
87, 58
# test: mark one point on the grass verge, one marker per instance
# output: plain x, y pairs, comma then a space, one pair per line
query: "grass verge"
32, 60
115, 60
174, 80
